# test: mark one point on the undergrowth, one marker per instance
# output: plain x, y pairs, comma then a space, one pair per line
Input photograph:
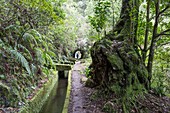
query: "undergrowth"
121, 99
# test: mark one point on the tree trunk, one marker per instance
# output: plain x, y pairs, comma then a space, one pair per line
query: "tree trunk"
153, 43
135, 21
146, 33
114, 59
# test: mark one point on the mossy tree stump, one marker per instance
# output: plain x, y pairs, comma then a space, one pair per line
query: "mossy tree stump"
115, 59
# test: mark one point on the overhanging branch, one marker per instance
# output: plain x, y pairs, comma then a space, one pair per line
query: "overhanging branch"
167, 7
163, 33
162, 44
140, 47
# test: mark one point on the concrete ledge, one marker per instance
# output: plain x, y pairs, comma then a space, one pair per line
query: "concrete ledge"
72, 59
63, 67
37, 102
67, 99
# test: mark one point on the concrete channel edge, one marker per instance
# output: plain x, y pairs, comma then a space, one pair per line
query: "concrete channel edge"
37, 102
67, 99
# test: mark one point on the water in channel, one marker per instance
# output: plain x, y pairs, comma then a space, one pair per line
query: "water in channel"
55, 102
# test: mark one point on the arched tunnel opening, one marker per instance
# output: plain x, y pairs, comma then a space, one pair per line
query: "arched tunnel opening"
78, 54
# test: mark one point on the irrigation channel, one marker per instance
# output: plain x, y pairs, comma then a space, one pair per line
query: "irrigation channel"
55, 102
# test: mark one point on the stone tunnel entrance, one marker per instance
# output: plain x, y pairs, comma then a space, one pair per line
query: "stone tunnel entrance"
78, 54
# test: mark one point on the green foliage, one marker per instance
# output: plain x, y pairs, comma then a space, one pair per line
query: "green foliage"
161, 41
4, 87
161, 69
102, 12
21, 59
31, 39
87, 73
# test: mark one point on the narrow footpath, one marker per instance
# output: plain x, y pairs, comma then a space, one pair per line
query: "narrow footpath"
80, 101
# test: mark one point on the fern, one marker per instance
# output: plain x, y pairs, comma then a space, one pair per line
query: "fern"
11, 27
33, 68
51, 53
45, 45
4, 87
1, 43
21, 59
25, 49
39, 54
36, 34
29, 37
48, 58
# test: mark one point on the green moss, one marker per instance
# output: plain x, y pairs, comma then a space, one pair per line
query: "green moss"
66, 103
142, 71
90, 83
36, 103
62, 67
115, 61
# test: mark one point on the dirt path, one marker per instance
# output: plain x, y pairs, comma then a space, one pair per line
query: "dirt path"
80, 101
80, 95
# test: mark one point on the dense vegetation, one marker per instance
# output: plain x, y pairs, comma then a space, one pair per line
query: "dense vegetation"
35, 34
148, 32
123, 60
